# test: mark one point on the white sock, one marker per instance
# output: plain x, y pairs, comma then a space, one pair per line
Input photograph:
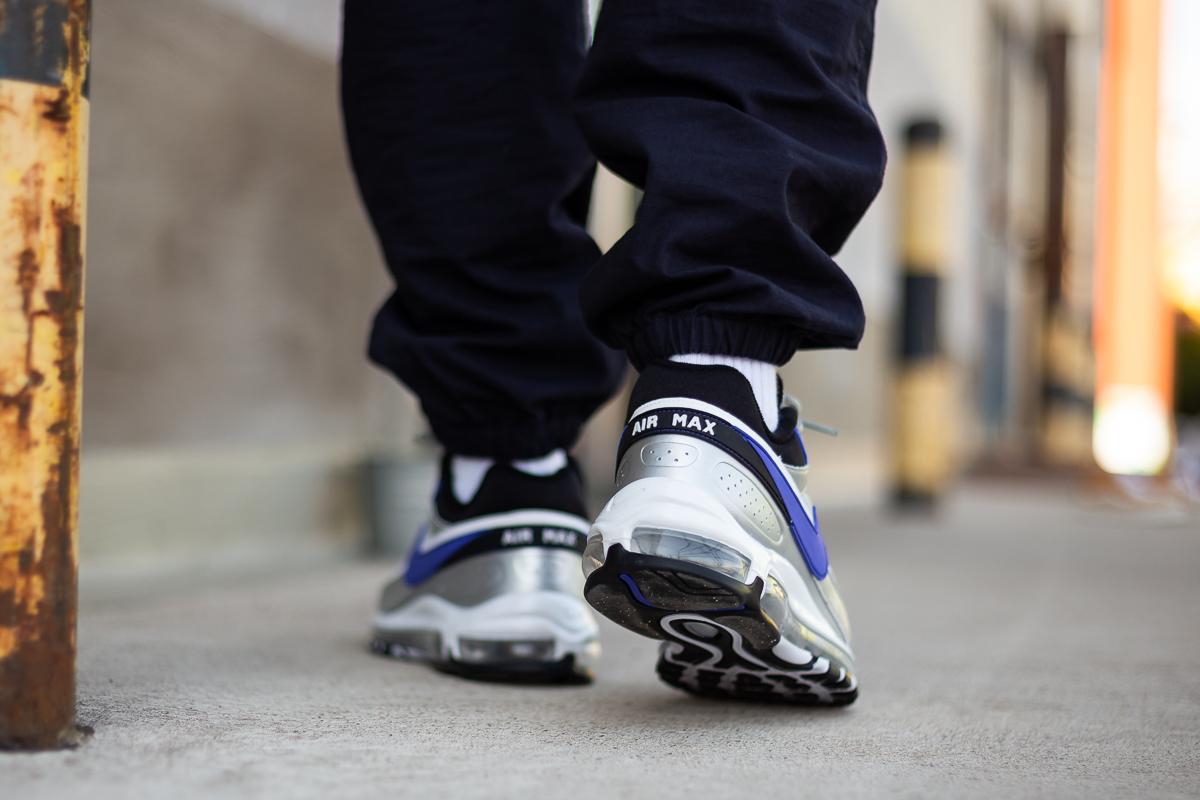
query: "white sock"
542, 466
467, 472
760, 374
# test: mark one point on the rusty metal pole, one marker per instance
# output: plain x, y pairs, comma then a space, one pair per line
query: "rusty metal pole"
43, 165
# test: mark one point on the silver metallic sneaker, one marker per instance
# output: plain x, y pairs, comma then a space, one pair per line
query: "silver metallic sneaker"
712, 545
492, 589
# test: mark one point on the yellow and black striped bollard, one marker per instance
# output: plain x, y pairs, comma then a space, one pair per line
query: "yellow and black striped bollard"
923, 412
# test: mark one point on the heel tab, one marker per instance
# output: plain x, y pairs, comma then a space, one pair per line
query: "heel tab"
718, 385
506, 488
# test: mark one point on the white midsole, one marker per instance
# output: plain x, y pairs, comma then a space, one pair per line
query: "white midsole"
513, 617
656, 502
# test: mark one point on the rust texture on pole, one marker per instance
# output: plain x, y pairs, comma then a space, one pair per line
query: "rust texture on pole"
43, 164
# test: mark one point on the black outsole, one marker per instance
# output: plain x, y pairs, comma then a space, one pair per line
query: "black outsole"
718, 642
563, 672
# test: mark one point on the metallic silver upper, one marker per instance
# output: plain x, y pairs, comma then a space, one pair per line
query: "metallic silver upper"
482, 577
718, 474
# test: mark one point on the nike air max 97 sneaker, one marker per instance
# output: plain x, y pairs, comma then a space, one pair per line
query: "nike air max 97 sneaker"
711, 544
492, 589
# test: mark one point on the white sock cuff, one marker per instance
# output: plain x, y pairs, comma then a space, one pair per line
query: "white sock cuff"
542, 466
467, 472
466, 476
761, 375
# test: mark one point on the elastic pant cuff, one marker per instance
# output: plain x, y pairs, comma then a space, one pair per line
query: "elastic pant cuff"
507, 440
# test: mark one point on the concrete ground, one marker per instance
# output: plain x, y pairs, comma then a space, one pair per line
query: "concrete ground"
1022, 644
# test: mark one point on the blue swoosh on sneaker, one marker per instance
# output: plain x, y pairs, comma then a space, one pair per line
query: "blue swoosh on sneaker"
422, 566
804, 531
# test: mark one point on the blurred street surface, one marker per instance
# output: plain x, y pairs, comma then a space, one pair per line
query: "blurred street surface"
1018, 644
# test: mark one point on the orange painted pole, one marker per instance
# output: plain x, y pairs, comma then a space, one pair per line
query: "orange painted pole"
1133, 321
43, 163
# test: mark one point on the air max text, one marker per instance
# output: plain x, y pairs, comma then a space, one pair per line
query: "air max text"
693, 422
560, 536
557, 537
516, 536
643, 425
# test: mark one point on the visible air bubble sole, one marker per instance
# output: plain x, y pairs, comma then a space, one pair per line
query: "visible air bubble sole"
718, 642
501, 670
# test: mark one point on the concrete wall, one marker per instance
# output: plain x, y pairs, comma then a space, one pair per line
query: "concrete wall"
231, 274
231, 280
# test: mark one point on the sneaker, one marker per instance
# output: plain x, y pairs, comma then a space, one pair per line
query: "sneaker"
492, 589
711, 544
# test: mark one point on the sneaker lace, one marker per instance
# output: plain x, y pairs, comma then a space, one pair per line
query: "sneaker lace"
806, 425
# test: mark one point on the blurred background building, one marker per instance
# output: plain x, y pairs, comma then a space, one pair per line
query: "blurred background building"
229, 409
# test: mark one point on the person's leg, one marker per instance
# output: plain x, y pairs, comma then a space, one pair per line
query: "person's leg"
748, 127
477, 181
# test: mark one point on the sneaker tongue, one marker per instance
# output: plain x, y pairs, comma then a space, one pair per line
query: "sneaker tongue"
722, 386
